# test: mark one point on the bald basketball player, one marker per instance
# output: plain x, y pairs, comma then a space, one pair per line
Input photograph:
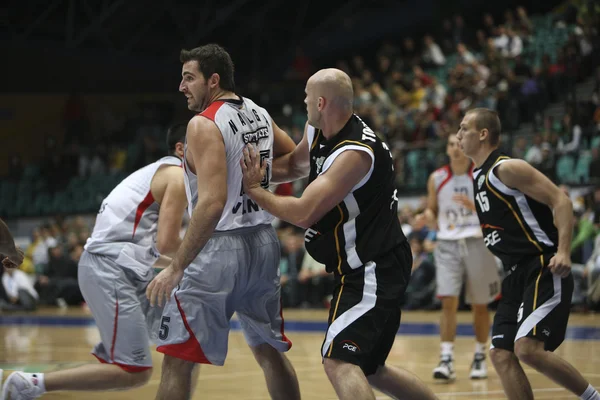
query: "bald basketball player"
349, 212
137, 228
12, 255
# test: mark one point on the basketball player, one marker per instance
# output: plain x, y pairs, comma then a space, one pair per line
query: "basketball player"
349, 210
460, 254
229, 259
136, 229
516, 206
13, 256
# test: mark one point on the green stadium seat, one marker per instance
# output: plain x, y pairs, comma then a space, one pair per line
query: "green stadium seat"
582, 170
564, 169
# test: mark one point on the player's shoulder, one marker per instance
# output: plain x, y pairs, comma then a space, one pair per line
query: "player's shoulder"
200, 123
211, 112
442, 172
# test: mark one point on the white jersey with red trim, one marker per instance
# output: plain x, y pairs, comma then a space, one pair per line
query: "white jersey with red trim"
454, 220
126, 224
240, 122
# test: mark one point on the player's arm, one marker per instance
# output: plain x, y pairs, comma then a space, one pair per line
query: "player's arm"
207, 148
322, 195
208, 152
289, 165
519, 175
14, 256
172, 208
431, 211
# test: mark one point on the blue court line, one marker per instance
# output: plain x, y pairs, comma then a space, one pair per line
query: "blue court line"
406, 328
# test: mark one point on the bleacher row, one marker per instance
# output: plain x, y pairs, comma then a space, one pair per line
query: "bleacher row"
32, 196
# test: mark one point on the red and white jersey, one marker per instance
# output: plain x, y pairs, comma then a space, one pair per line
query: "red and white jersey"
455, 221
240, 122
126, 224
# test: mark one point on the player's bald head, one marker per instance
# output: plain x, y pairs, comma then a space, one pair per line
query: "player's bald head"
333, 85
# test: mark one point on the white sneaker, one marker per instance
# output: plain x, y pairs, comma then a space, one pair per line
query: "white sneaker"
21, 386
444, 372
478, 367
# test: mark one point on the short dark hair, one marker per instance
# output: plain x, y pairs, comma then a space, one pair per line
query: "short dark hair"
212, 59
175, 134
488, 119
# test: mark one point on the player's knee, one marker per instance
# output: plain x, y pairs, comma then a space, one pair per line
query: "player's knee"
527, 350
501, 358
176, 366
332, 368
266, 355
138, 378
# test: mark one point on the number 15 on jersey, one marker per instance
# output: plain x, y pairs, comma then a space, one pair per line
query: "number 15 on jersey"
484, 202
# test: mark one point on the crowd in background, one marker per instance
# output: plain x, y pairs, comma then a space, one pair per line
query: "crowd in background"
413, 92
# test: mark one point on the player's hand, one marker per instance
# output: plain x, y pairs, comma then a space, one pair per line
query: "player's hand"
159, 290
464, 201
14, 260
560, 265
252, 169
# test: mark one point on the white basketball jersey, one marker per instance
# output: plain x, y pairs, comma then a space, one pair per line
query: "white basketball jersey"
126, 224
240, 122
455, 221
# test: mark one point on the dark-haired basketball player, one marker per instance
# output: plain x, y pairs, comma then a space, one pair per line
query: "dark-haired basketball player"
137, 228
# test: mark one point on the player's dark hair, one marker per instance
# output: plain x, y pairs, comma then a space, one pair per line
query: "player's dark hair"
488, 119
212, 59
175, 134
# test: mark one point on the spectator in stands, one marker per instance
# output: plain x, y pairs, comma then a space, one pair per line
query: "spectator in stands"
534, 154
595, 166
432, 54
570, 137
58, 283
515, 44
20, 293
420, 293
519, 148
316, 284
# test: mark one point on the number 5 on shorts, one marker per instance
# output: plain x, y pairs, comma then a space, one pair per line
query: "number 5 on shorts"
164, 328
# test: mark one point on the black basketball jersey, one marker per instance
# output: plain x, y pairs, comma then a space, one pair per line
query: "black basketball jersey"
514, 225
365, 225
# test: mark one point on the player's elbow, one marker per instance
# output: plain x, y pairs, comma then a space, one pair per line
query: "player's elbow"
212, 206
307, 220
167, 245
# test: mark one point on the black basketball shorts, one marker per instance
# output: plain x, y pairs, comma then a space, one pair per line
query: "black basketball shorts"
365, 310
535, 303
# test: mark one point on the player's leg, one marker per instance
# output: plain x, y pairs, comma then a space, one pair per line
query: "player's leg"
124, 349
348, 380
279, 373
546, 306
176, 379
482, 287
194, 328
363, 326
261, 316
449, 278
395, 382
507, 366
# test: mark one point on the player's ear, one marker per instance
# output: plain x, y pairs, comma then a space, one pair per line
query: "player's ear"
179, 149
320, 103
483, 134
214, 80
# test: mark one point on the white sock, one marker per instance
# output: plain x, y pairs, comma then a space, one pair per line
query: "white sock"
38, 380
590, 394
480, 348
447, 349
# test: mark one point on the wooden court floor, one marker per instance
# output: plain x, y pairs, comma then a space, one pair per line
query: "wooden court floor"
52, 339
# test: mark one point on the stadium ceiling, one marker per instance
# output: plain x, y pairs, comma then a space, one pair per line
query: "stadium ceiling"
248, 28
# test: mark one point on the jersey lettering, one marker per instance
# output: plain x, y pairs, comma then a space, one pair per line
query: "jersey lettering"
484, 203
492, 239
